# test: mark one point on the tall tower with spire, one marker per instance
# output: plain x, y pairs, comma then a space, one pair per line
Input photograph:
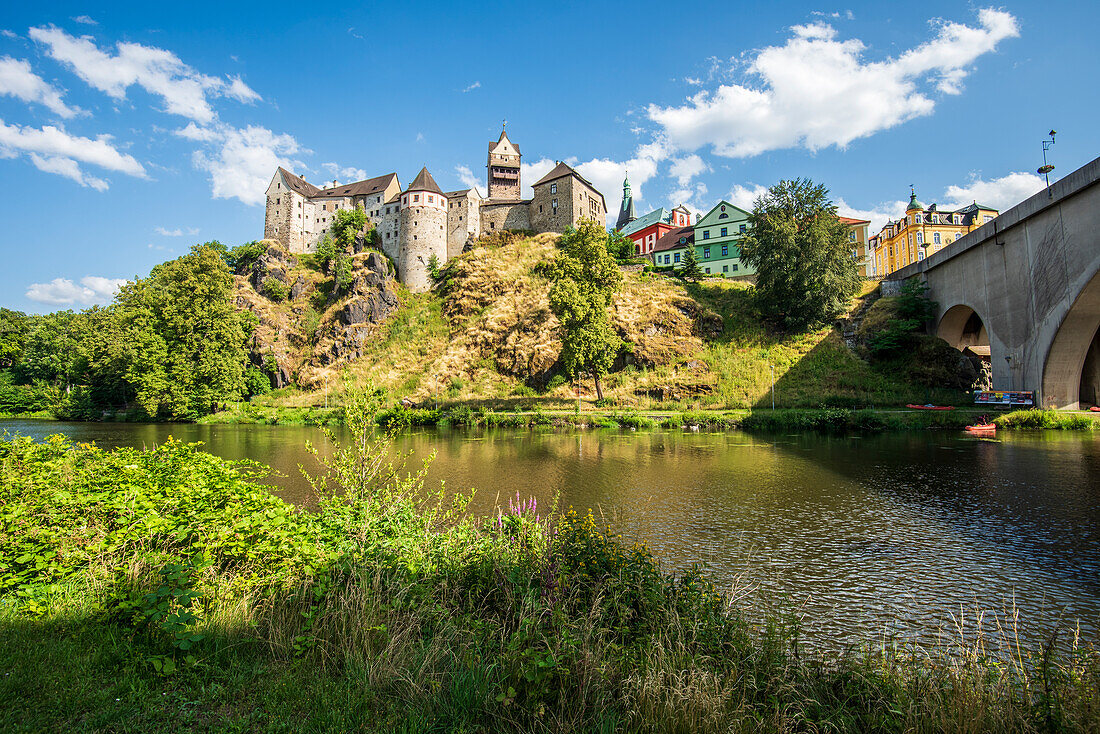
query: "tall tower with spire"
626, 210
503, 168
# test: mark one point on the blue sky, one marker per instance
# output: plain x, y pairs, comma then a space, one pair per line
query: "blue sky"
129, 132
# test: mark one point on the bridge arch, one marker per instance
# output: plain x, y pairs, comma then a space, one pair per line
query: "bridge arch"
1071, 371
961, 327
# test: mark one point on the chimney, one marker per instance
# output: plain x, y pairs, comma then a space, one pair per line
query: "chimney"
335, 183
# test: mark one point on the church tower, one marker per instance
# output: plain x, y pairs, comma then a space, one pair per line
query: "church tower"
626, 210
503, 167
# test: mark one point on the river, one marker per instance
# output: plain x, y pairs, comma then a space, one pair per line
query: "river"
901, 534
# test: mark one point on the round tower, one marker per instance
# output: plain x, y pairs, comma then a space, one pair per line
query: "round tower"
422, 231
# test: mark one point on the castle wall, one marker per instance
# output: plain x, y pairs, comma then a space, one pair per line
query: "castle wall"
504, 215
575, 201
389, 228
423, 234
463, 221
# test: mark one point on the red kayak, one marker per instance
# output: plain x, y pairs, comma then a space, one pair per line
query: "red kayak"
929, 407
982, 428
1095, 409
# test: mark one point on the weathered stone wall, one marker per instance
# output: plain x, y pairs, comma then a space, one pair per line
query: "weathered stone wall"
545, 216
463, 221
504, 215
423, 234
389, 229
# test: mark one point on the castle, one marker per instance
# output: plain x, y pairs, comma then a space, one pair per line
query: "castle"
422, 220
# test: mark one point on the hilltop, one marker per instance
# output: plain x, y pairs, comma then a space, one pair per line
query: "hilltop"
484, 335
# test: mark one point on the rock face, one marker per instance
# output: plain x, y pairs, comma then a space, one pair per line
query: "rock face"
317, 326
273, 263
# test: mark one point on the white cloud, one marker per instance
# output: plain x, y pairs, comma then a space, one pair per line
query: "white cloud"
1001, 193
192, 230
531, 172
468, 179
53, 150
687, 168
816, 91
17, 80
85, 19
419, 137
169, 232
92, 290
184, 90
241, 161
346, 173
475, 85
8, 34
68, 168
744, 196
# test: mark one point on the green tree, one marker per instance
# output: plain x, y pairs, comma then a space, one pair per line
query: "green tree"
690, 269
49, 349
186, 337
621, 247
13, 330
805, 272
342, 275
326, 251
584, 277
346, 223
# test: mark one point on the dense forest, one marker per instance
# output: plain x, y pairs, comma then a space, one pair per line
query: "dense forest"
171, 346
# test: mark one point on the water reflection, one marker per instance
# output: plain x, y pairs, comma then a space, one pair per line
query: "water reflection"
862, 535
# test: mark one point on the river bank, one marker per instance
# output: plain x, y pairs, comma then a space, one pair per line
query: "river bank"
527, 415
152, 589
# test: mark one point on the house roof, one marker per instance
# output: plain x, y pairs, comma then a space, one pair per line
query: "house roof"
671, 240
717, 208
849, 220
297, 183
646, 220
424, 182
463, 192
359, 188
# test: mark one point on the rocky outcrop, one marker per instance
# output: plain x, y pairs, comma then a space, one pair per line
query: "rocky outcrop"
275, 262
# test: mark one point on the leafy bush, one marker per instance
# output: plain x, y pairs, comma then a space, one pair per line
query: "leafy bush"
275, 289
256, 382
1045, 419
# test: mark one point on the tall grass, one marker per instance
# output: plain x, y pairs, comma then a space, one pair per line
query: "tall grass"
390, 609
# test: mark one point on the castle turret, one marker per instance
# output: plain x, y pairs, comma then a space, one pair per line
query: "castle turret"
423, 231
503, 169
626, 210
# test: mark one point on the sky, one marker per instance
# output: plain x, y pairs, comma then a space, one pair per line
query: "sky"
130, 132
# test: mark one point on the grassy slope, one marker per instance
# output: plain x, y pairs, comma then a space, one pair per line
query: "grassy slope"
478, 338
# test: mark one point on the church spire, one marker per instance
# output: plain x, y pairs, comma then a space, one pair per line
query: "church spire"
626, 211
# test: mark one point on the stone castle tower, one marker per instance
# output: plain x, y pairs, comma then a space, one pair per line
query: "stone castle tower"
503, 168
422, 231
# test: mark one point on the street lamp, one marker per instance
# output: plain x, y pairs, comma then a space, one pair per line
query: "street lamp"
1046, 168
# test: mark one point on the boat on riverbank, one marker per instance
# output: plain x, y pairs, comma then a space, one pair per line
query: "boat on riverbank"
929, 406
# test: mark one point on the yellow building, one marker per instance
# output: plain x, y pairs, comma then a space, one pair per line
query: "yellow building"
921, 232
857, 237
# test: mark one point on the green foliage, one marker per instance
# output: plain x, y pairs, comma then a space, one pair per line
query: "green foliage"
13, 331
311, 319
912, 309
186, 338
240, 256
690, 270
346, 223
327, 250
50, 349
1046, 419
275, 289
805, 273
256, 382
621, 247
342, 275
433, 268
583, 278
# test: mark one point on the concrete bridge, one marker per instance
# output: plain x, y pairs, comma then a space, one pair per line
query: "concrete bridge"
1026, 285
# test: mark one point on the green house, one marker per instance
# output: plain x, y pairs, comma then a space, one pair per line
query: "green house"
717, 241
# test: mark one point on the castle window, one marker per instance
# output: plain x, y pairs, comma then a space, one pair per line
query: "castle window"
540, 208
431, 200
706, 234
734, 266
852, 236
492, 225
725, 250
706, 253
708, 271
741, 228
725, 268
920, 238
553, 188
724, 232
935, 238
676, 257
416, 197
414, 237
723, 215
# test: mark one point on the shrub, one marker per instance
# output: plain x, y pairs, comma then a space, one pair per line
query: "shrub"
275, 289
256, 382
